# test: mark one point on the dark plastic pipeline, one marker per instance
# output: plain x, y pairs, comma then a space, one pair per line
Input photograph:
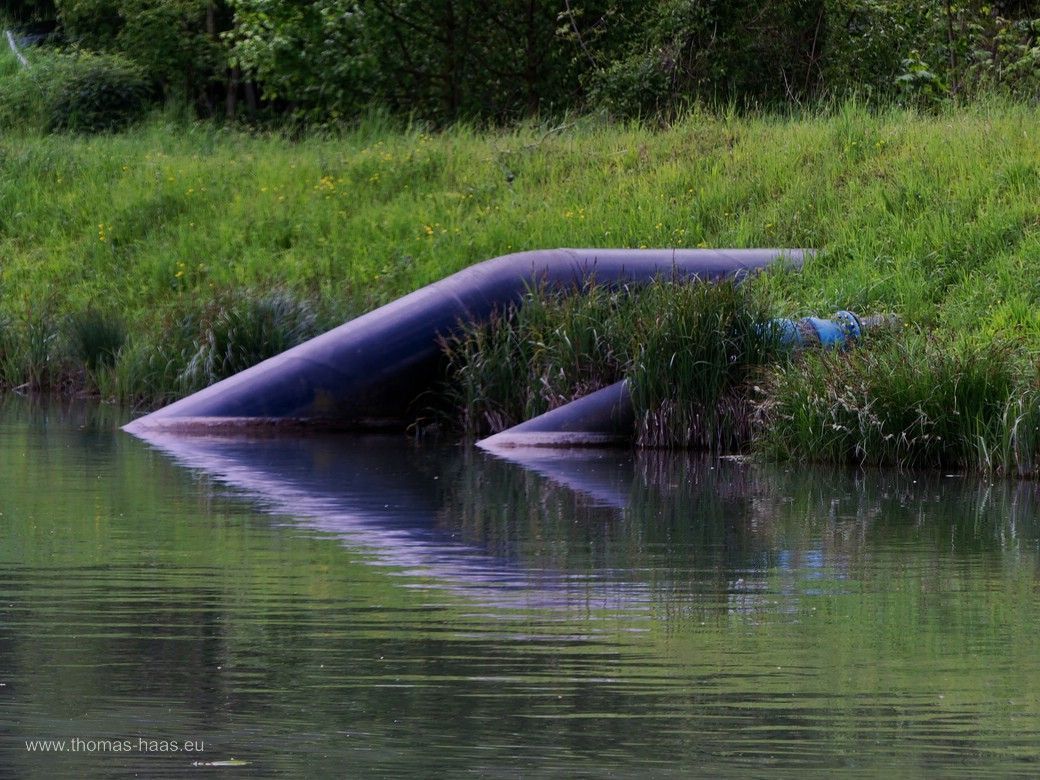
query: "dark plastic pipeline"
370, 370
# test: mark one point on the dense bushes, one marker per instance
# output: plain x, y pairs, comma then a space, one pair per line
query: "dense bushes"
78, 91
330, 60
99, 93
174, 42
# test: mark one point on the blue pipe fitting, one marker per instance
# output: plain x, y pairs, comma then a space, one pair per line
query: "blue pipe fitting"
839, 331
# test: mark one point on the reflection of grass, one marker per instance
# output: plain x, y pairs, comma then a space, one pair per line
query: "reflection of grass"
686, 348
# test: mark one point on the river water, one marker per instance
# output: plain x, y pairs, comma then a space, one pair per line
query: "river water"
342, 606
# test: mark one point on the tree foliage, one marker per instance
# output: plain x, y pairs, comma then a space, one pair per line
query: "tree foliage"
176, 42
443, 60
499, 60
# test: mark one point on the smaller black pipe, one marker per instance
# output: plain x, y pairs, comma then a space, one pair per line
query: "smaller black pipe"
604, 418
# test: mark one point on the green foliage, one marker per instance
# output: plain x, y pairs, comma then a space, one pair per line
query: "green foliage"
1004, 56
27, 11
918, 84
694, 354
309, 55
703, 50
333, 60
245, 330
439, 61
636, 86
76, 91
175, 42
99, 93
26, 95
552, 348
864, 44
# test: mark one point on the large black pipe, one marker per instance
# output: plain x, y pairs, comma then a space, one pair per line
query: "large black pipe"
371, 369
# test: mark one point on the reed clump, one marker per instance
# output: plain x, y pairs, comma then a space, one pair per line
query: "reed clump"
243, 331
911, 399
96, 336
695, 351
189, 346
547, 350
707, 371
688, 349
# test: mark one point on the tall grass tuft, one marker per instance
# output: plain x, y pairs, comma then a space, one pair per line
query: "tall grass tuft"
688, 350
910, 400
245, 330
694, 351
96, 337
551, 348
29, 355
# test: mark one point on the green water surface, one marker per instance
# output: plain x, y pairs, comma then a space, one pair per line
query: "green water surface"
342, 606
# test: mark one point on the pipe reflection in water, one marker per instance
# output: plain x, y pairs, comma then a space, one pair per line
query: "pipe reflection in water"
602, 528
389, 501
417, 612
713, 612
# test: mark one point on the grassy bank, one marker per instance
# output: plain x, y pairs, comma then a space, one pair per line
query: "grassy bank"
143, 264
708, 370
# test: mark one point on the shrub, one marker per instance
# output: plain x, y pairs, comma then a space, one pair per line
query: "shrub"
29, 358
75, 91
100, 93
26, 95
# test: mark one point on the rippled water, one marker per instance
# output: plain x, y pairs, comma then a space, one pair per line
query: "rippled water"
342, 606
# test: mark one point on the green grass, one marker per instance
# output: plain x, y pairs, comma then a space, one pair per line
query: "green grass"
934, 217
688, 350
911, 399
